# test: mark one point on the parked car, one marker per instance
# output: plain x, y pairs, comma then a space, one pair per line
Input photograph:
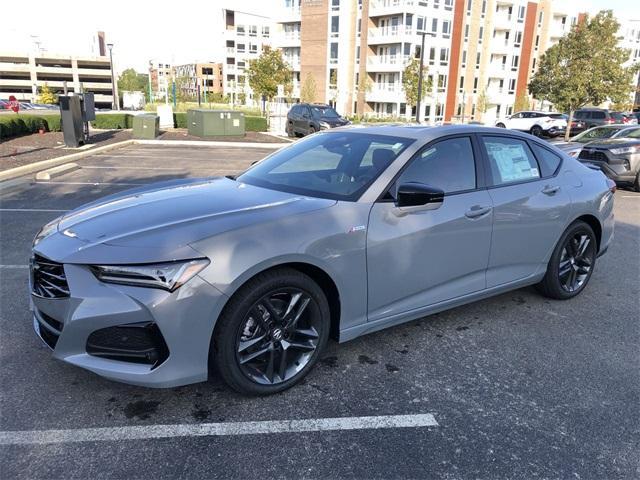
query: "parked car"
575, 144
306, 118
345, 232
618, 158
535, 123
630, 118
594, 117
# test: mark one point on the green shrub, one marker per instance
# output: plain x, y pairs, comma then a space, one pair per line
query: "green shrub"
255, 124
113, 121
14, 125
180, 120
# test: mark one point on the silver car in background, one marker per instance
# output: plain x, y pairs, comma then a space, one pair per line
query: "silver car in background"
341, 234
575, 144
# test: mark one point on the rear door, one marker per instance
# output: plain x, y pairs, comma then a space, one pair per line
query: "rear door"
530, 207
433, 253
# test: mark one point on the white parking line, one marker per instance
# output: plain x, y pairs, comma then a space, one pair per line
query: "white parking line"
31, 210
90, 183
173, 169
41, 437
13, 266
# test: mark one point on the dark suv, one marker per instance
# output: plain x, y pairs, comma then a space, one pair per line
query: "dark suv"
306, 118
595, 117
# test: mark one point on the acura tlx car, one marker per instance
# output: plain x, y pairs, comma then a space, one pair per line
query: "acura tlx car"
343, 233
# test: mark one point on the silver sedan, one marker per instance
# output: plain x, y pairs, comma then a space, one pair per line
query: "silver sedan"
340, 234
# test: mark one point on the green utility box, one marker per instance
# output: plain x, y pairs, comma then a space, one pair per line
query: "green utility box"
215, 123
146, 126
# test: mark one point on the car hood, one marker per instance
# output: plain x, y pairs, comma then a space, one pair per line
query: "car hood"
568, 146
612, 143
158, 222
333, 121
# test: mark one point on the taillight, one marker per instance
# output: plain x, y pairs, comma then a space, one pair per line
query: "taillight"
611, 185
609, 120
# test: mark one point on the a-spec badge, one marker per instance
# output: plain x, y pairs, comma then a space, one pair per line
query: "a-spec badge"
357, 228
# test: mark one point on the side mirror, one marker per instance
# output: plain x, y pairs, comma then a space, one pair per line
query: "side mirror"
305, 115
414, 194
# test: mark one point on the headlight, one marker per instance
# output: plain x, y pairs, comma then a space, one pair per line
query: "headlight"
46, 230
624, 150
167, 276
574, 153
324, 125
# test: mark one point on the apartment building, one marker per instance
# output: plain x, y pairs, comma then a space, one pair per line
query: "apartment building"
201, 77
161, 75
245, 36
24, 75
630, 34
476, 51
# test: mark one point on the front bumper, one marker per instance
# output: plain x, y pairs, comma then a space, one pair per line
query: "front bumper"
621, 169
185, 319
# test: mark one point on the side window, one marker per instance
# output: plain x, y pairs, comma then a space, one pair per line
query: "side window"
579, 115
510, 160
517, 115
598, 115
307, 112
635, 133
448, 165
547, 160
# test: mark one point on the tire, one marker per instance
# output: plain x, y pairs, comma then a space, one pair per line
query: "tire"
567, 263
636, 184
312, 130
250, 325
536, 131
501, 125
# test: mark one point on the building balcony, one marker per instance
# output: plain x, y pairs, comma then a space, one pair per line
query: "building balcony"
557, 30
15, 67
388, 93
288, 15
503, 21
287, 39
390, 34
379, 8
387, 63
294, 62
498, 70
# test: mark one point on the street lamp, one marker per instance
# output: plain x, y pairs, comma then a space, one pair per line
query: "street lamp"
115, 103
422, 34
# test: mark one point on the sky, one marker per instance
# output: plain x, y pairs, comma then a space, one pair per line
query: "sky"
176, 32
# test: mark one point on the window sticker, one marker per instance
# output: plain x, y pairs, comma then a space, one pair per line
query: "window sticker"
512, 162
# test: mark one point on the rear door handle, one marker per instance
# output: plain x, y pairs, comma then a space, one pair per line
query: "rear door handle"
550, 189
477, 211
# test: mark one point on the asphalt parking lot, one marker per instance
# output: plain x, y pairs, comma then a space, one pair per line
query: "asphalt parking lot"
519, 386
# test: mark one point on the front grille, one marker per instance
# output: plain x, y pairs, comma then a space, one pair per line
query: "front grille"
48, 279
133, 342
596, 155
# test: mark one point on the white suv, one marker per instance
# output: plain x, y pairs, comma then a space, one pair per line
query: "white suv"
536, 123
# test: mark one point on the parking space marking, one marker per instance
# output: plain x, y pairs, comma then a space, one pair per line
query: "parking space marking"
172, 169
49, 210
13, 266
90, 183
42, 437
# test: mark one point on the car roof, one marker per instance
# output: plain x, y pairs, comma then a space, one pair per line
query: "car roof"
424, 132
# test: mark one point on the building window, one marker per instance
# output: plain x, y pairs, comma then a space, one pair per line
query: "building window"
436, 3
434, 25
432, 55
518, 39
241, 48
335, 26
442, 83
473, 111
533, 66
420, 23
466, 32
253, 31
498, 108
335, 4
512, 85
333, 57
484, 8
359, 26
461, 87
446, 28
540, 18
265, 31
358, 54
478, 58
475, 85
240, 30
444, 56
521, 11
464, 58
537, 41
514, 62
448, 4
480, 34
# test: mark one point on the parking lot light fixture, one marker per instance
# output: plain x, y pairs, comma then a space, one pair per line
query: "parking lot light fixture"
114, 95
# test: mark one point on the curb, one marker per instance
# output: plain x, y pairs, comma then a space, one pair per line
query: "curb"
13, 173
54, 172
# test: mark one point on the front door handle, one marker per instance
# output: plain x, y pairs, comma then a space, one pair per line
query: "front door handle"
477, 211
550, 190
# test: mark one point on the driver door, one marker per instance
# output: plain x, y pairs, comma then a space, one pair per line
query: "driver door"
421, 256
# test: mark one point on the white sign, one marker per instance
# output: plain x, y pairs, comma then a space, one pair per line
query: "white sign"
165, 112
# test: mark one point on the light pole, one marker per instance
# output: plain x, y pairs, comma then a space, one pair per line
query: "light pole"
418, 106
114, 87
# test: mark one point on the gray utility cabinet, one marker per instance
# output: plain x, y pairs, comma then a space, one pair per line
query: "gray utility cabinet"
146, 126
72, 124
215, 123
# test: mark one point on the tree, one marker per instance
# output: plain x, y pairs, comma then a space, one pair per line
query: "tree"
47, 97
333, 85
522, 102
131, 81
268, 71
584, 67
182, 93
410, 77
482, 102
309, 90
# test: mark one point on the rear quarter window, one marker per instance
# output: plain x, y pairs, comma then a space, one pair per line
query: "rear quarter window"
548, 161
598, 115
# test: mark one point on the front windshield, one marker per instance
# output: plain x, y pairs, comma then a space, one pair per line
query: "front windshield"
324, 112
597, 133
339, 166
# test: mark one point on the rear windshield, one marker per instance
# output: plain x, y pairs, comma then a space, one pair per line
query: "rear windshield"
596, 133
558, 116
617, 116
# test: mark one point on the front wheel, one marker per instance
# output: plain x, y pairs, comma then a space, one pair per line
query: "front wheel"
501, 125
271, 333
571, 263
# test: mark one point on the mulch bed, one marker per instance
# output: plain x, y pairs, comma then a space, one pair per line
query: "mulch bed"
252, 137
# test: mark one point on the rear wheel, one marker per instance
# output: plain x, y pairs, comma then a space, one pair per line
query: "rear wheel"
312, 130
571, 263
501, 125
290, 132
536, 131
271, 333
